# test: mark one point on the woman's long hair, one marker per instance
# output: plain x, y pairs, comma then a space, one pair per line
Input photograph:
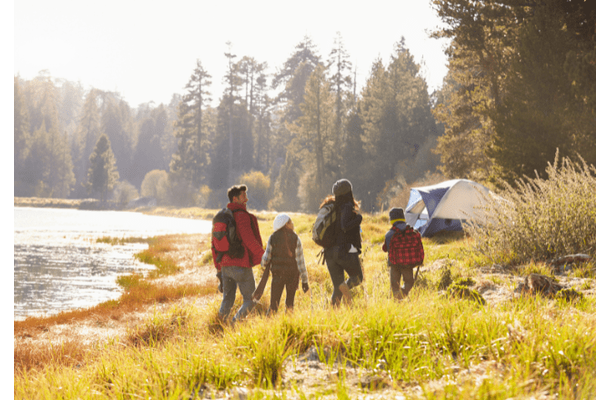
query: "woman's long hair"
329, 199
340, 200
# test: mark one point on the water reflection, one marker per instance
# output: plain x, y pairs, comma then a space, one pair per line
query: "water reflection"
58, 266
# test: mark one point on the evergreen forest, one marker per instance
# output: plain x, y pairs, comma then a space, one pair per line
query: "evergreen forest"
520, 87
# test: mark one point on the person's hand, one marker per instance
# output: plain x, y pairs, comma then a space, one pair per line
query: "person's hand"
305, 287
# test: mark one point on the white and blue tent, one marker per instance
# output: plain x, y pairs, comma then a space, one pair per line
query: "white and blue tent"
446, 205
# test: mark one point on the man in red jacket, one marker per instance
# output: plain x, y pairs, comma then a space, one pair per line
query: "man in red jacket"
237, 272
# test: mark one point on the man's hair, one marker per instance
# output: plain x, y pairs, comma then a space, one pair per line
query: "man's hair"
235, 191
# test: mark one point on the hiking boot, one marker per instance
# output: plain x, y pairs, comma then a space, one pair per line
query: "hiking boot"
346, 293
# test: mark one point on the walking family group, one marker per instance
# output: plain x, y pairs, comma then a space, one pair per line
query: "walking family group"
237, 246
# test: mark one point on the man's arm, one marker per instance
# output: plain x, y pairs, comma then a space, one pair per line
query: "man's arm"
244, 228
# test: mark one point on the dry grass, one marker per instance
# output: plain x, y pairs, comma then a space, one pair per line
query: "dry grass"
65, 338
32, 355
46, 202
541, 219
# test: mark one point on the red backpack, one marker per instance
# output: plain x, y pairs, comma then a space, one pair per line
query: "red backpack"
224, 236
405, 247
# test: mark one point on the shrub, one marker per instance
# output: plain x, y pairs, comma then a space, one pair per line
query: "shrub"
159, 328
203, 196
464, 281
464, 292
445, 279
124, 192
569, 294
541, 219
258, 189
155, 184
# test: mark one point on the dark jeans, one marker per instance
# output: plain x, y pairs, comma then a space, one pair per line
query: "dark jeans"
232, 277
280, 279
337, 266
396, 273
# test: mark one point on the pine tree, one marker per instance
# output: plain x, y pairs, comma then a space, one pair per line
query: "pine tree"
234, 83
522, 83
285, 197
315, 126
396, 113
71, 102
60, 170
293, 76
231, 118
103, 175
87, 135
340, 68
261, 110
192, 130
148, 154
541, 112
49, 167
396, 118
464, 146
117, 124
36, 164
353, 167
22, 138
482, 37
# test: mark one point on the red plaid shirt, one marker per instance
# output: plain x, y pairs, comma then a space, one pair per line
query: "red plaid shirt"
405, 247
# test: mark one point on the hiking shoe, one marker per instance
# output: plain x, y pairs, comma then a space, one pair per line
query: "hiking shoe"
346, 293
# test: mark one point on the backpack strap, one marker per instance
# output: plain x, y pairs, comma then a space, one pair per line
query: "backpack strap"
321, 256
416, 273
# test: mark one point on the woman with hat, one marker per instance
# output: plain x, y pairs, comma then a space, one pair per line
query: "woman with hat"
344, 256
285, 254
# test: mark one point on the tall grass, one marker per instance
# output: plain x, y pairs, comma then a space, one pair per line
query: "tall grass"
156, 255
529, 347
540, 219
428, 346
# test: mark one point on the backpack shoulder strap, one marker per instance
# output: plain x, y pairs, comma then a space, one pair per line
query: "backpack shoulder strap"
398, 231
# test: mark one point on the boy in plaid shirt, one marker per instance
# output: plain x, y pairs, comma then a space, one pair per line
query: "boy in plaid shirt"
405, 251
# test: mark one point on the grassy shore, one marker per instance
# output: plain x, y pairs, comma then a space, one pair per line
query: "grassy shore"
47, 202
165, 340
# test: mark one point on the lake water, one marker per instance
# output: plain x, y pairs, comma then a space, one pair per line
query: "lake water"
59, 266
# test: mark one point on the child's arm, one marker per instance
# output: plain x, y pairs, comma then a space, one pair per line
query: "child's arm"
301, 260
267, 255
386, 242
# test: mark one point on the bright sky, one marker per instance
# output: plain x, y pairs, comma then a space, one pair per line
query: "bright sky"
147, 50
